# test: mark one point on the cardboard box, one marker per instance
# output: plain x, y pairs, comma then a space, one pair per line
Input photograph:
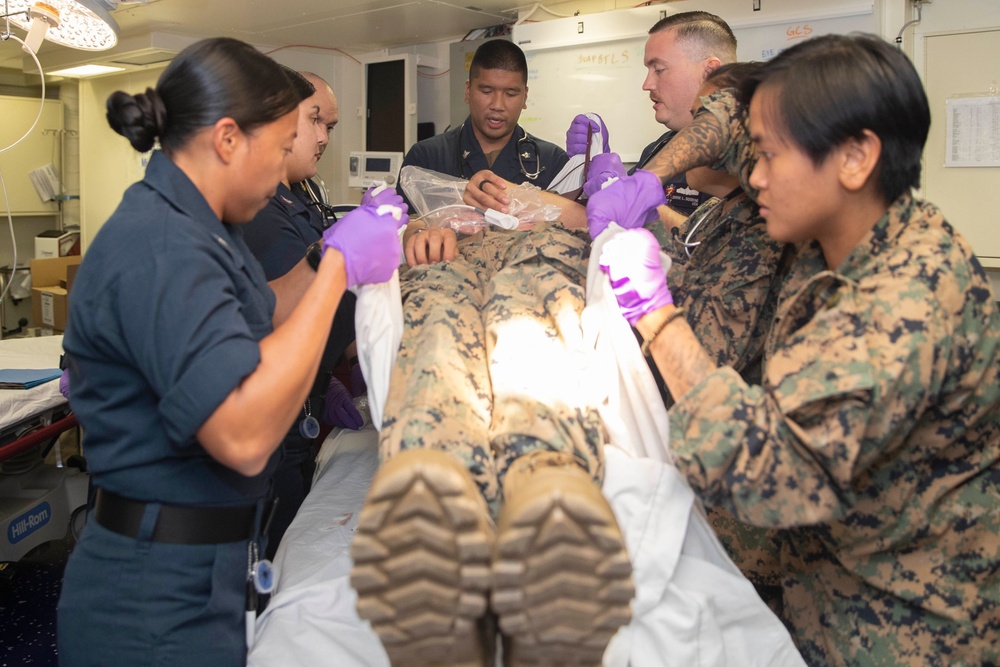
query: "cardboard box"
50, 292
56, 243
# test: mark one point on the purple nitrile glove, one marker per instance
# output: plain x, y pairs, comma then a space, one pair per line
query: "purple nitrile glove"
64, 384
632, 261
601, 168
576, 135
630, 201
358, 385
338, 407
368, 237
386, 195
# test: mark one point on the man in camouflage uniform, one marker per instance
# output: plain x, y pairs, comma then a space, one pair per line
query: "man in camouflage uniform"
489, 380
724, 267
725, 272
681, 50
874, 439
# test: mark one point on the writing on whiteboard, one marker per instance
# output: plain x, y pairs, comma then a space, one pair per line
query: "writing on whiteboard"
792, 32
799, 31
603, 58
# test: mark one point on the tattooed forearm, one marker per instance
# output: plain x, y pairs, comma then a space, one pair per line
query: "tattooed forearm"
698, 145
678, 353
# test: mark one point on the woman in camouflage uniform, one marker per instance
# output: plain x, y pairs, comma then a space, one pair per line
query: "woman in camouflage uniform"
873, 439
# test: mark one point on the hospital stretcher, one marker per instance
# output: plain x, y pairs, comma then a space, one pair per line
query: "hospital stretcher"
692, 605
692, 608
37, 501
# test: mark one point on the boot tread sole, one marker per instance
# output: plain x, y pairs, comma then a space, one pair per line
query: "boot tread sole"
422, 560
561, 576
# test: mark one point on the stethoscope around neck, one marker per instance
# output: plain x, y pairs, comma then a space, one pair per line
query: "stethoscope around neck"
701, 215
525, 147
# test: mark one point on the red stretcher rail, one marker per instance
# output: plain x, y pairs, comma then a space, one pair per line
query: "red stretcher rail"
33, 439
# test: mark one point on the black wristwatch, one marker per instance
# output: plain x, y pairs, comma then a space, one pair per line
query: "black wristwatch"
314, 253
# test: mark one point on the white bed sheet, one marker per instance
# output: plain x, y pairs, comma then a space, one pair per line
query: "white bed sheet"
310, 619
692, 606
16, 405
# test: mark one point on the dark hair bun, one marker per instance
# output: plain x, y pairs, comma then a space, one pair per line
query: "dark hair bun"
139, 118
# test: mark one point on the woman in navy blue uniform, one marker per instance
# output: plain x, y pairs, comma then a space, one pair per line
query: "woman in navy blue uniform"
187, 368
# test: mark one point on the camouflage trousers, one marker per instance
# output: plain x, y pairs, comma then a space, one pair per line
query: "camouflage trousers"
492, 362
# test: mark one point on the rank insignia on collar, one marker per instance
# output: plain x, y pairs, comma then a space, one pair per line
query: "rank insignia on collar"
525, 155
465, 154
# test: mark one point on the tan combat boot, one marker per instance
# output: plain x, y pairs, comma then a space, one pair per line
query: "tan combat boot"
422, 562
561, 576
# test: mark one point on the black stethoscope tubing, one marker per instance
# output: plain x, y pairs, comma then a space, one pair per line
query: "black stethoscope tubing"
525, 139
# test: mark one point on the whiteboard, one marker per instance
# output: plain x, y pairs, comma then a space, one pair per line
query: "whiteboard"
604, 78
605, 74
763, 42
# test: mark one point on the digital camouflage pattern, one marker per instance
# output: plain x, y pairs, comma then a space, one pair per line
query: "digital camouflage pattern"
726, 284
739, 156
492, 357
873, 443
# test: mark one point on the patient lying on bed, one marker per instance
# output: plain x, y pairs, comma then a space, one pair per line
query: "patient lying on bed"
501, 322
492, 460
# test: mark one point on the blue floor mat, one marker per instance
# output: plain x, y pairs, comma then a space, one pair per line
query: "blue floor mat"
28, 596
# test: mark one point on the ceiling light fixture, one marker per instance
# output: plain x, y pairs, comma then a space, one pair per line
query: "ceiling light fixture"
79, 24
83, 71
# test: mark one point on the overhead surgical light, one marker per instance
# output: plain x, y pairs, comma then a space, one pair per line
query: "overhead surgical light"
79, 24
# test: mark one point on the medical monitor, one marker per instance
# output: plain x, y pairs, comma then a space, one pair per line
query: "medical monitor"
368, 168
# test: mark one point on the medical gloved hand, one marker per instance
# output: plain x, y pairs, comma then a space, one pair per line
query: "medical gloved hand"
632, 261
358, 385
386, 196
338, 407
368, 237
601, 168
64, 384
630, 201
576, 135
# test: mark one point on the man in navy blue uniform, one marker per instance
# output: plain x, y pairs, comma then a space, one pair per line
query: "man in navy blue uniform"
280, 233
279, 236
490, 138
681, 51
